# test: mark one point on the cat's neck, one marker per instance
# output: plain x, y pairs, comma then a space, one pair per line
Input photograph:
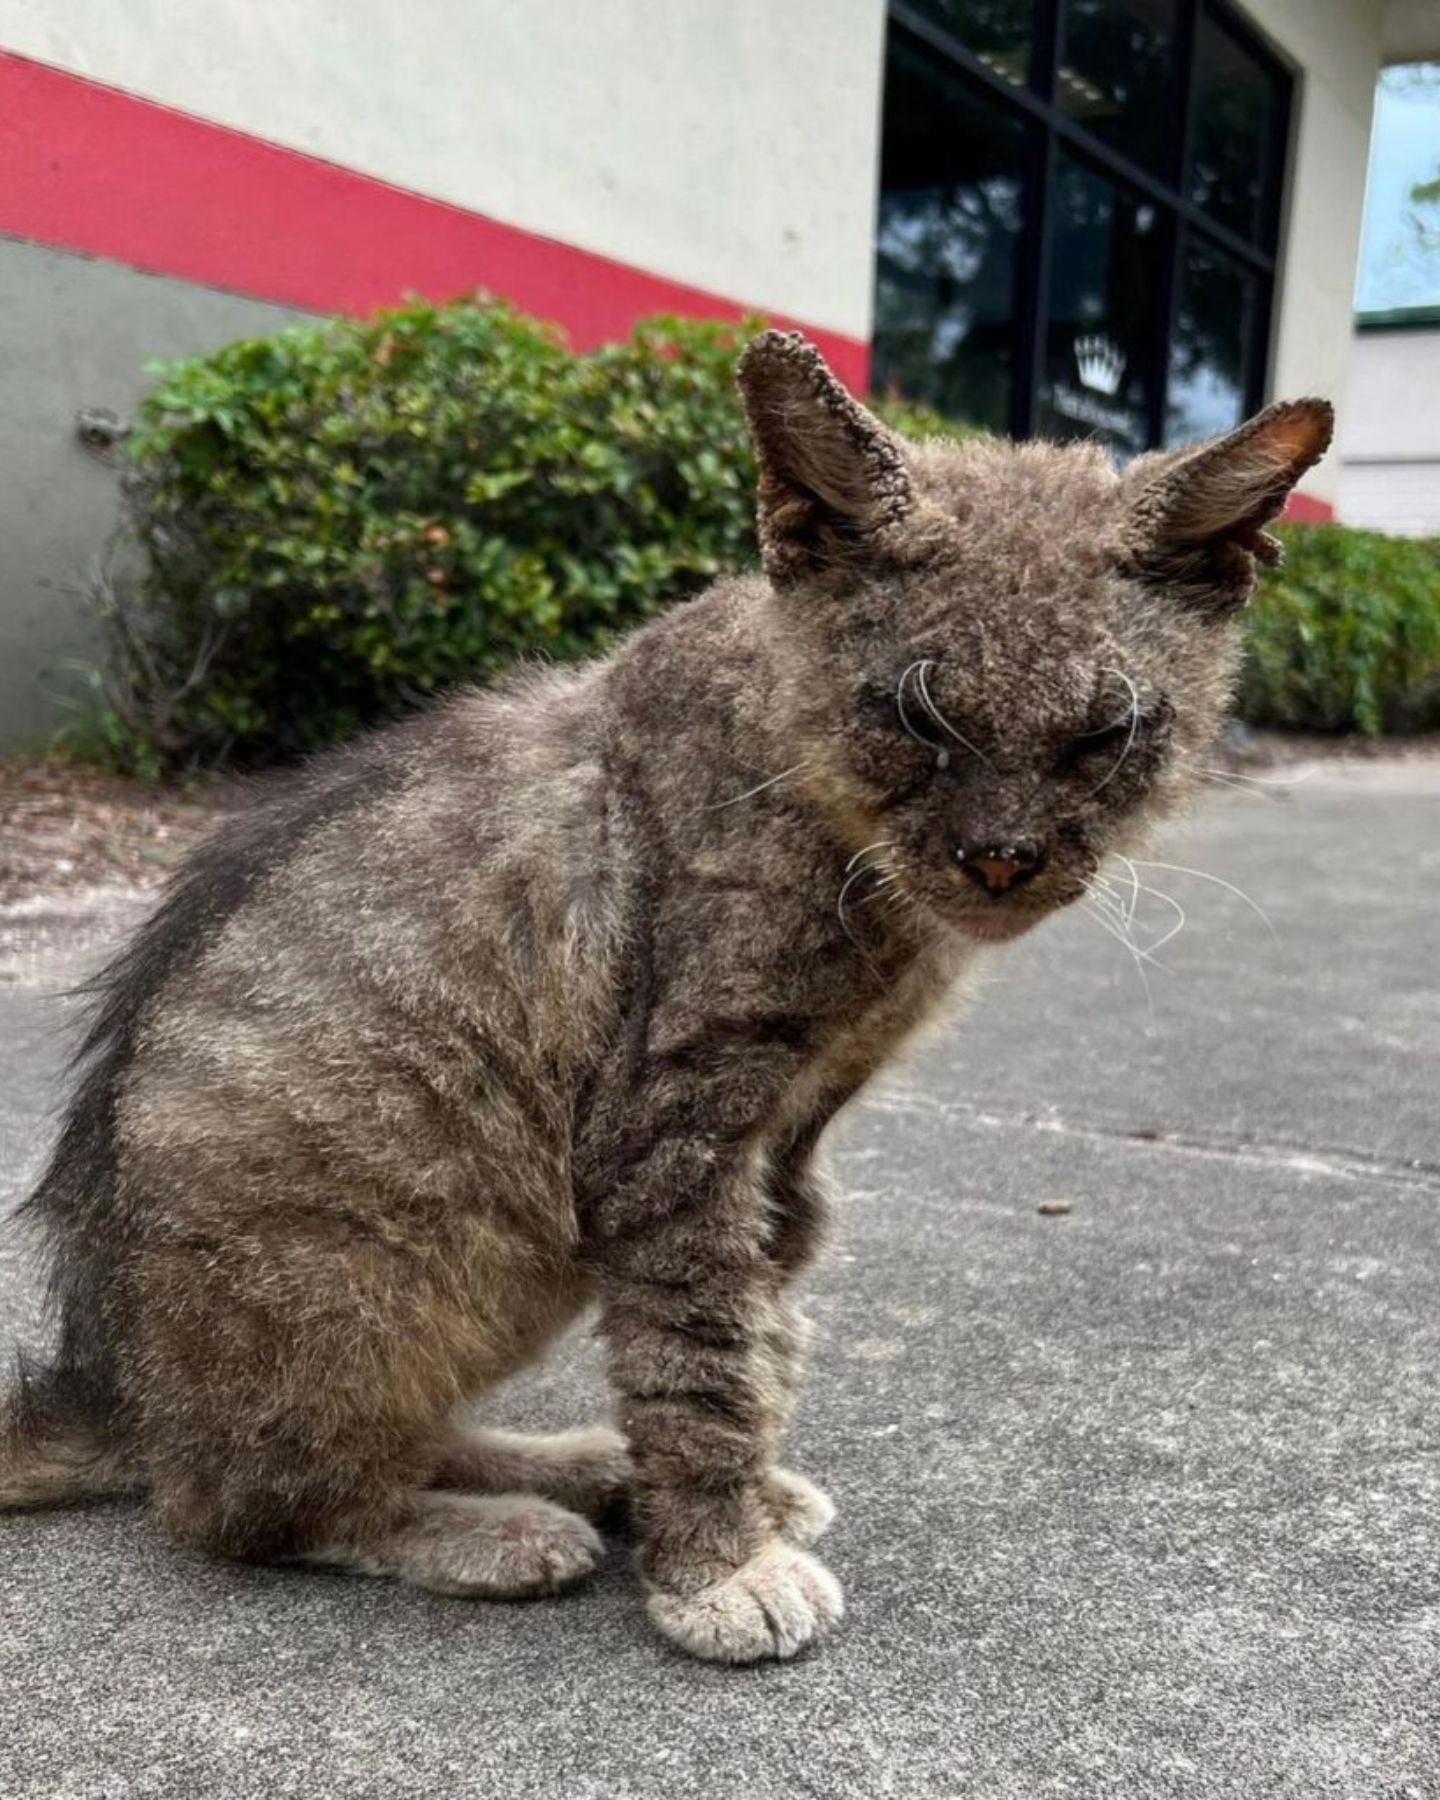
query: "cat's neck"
710, 726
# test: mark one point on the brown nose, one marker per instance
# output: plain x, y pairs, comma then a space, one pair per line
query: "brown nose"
997, 867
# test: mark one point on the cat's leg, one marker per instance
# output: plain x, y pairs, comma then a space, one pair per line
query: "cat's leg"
798, 1208
475, 1546
687, 1306
587, 1470
288, 1407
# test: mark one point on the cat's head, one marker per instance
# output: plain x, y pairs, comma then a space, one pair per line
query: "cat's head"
1003, 660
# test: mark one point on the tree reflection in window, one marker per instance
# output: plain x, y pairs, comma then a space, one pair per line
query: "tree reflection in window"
1000, 32
1079, 213
1117, 75
949, 222
1209, 345
1235, 98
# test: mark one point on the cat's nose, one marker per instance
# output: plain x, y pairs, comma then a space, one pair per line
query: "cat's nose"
999, 866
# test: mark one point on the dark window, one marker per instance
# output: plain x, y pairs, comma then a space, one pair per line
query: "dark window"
1232, 164
999, 32
1116, 76
1078, 215
1102, 366
950, 219
1212, 344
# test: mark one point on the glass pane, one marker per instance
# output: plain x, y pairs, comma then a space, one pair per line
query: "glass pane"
1117, 77
1237, 104
951, 180
999, 32
1100, 351
1211, 347
1400, 245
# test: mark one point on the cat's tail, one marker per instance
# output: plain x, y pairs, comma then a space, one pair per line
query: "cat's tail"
52, 1450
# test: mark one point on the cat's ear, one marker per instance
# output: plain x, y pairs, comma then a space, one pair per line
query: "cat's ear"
1198, 517
833, 479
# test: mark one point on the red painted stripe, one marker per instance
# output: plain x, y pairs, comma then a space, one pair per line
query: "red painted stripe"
1308, 509
91, 168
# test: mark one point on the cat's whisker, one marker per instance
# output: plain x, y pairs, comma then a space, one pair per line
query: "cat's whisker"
856, 870
936, 714
1103, 891
1180, 919
1131, 736
1113, 912
845, 887
1137, 956
1137, 886
1258, 787
904, 716
759, 787
1219, 881
1101, 885
1117, 917
1112, 905
1218, 780
1263, 781
869, 850
1126, 905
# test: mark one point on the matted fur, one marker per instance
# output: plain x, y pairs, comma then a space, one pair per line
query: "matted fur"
546, 999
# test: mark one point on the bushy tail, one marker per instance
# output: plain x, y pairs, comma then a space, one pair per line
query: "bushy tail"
52, 1453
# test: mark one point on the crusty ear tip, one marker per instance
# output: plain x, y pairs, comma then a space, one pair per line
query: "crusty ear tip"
1316, 419
779, 352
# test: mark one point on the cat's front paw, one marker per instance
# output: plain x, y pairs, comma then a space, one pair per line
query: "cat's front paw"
800, 1512
773, 1605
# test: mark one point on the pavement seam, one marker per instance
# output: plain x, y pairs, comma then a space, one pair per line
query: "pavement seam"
1346, 1165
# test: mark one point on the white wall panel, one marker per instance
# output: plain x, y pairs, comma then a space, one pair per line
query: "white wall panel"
730, 144
1337, 45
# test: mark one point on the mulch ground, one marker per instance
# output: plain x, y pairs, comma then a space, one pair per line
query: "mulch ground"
64, 826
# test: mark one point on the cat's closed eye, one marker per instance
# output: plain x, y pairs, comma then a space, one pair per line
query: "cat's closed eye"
1107, 740
1134, 737
900, 712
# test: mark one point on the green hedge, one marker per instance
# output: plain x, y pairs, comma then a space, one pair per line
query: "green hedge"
341, 519
1346, 637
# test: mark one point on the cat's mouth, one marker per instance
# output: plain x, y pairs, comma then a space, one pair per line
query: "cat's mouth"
953, 904
1003, 920
997, 927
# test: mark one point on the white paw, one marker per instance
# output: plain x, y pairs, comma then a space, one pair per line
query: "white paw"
502, 1546
773, 1605
800, 1511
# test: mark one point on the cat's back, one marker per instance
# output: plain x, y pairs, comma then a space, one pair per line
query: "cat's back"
425, 910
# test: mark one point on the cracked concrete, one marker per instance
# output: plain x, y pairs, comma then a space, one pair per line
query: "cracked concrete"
1355, 1165
1138, 1500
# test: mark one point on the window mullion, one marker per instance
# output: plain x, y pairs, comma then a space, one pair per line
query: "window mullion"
1168, 297
1045, 50
1034, 283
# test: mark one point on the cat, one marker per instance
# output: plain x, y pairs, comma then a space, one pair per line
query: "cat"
544, 999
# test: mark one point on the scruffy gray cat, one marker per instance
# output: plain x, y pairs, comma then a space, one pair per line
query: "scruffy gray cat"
546, 998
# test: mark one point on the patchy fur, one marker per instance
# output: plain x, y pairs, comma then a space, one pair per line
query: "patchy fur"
545, 1000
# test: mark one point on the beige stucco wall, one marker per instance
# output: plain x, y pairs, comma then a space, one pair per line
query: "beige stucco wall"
731, 144
1390, 468
1412, 31
77, 334
1337, 47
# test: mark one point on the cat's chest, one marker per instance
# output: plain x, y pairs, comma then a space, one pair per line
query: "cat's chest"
860, 1042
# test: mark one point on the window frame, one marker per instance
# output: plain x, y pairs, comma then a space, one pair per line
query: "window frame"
1051, 129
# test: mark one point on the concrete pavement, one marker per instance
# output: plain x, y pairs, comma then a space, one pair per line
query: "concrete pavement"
1139, 1500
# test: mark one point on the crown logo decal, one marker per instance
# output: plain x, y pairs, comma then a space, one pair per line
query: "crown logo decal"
1100, 364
